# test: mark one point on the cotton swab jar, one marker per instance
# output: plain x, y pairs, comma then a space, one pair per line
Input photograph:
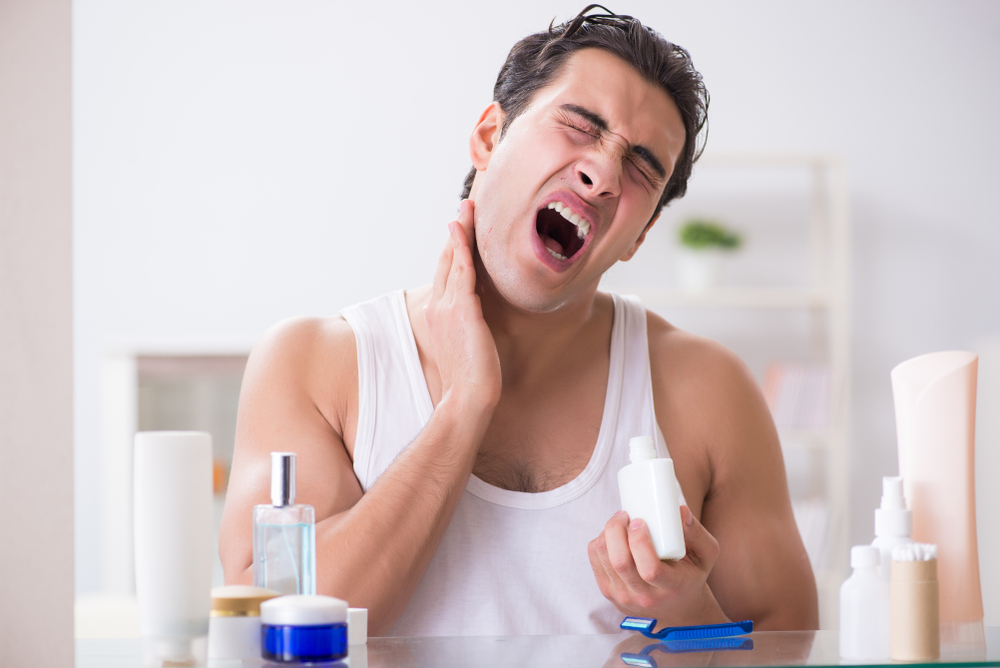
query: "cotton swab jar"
914, 616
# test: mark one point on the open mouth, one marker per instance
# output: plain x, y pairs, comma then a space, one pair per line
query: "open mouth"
561, 230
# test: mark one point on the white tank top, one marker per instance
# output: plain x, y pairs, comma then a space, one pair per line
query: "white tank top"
510, 563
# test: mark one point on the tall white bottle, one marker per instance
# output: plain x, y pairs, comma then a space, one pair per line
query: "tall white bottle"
649, 491
893, 523
173, 545
864, 609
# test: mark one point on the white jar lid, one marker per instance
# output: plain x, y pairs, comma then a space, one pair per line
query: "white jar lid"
301, 610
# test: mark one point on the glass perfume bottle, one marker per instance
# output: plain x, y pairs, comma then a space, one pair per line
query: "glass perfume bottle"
284, 535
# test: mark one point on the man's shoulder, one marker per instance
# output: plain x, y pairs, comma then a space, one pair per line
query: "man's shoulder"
305, 335
688, 354
699, 378
307, 350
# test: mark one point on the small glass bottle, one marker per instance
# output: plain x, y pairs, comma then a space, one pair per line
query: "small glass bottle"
284, 535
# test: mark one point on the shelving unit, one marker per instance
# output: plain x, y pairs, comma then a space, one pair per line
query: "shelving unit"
821, 294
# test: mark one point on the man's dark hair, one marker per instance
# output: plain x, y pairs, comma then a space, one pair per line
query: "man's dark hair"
536, 60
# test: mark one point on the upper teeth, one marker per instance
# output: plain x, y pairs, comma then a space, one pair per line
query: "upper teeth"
582, 226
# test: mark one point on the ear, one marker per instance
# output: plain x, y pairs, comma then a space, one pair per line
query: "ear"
638, 242
485, 137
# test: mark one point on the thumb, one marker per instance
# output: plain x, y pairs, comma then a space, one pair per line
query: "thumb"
702, 548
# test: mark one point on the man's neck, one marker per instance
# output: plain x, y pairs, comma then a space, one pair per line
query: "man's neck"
531, 345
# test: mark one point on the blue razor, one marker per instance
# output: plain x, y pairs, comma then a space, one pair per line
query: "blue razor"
645, 627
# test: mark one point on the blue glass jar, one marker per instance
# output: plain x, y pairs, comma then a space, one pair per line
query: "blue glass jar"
297, 629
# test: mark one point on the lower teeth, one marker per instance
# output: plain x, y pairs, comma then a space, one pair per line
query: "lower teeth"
555, 254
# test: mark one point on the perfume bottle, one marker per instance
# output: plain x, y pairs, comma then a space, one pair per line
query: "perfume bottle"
284, 535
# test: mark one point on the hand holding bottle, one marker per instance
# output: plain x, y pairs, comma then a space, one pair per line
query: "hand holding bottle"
633, 578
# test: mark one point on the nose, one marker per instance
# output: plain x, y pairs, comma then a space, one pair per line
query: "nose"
600, 175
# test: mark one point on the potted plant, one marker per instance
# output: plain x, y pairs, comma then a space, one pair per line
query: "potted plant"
703, 243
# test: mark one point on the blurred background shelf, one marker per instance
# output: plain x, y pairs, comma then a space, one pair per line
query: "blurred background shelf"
734, 297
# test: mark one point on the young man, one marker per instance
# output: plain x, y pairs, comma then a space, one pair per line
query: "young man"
460, 442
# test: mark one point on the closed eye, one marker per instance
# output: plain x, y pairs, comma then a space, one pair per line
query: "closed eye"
653, 182
587, 131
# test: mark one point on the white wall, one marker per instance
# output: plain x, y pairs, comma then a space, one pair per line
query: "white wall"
36, 335
238, 162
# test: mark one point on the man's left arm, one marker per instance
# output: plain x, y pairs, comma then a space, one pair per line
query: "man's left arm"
763, 571
745, 556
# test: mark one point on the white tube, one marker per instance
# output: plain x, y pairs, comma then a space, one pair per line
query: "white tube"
173, 544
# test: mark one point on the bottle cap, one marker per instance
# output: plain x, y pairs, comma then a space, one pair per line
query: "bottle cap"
641, 448
864, 556
283, 478
303, 610
239, 600
892, 518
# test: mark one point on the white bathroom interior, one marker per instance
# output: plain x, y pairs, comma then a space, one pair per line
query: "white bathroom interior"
238, 163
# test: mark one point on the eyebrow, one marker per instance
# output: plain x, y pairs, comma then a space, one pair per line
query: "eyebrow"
601, 124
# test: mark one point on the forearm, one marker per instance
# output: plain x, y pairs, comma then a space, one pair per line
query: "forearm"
375, 554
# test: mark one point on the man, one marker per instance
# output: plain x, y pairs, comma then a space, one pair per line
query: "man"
460, 442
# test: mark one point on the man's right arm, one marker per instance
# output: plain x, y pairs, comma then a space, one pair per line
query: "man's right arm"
372, 548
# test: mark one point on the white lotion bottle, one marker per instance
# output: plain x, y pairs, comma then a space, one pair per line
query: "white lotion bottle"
893, 523
173, 545
649, 491
864, 609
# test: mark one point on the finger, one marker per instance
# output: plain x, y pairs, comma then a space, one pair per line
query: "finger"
443, 267
619, 554
702, 548
640, 543
597, 565
461, 274
466, 218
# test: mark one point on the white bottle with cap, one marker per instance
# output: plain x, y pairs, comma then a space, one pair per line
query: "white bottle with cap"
864, 609
893, 523
649, 491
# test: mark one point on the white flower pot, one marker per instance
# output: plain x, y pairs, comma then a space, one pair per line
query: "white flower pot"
698, 270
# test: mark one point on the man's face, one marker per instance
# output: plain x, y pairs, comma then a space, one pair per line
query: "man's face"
599, 141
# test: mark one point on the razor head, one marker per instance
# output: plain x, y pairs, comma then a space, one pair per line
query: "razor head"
640, 624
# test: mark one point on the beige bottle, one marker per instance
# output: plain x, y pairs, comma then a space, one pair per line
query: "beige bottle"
935, 400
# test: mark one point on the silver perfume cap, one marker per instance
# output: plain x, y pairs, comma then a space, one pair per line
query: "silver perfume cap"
283, 478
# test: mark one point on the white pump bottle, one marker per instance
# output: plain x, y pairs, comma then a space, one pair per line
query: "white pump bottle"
893, 523
649, 491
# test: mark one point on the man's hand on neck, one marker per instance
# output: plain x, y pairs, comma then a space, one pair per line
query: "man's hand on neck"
459, 339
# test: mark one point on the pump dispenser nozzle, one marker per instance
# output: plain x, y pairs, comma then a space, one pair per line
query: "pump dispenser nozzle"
892, 518
282, 479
